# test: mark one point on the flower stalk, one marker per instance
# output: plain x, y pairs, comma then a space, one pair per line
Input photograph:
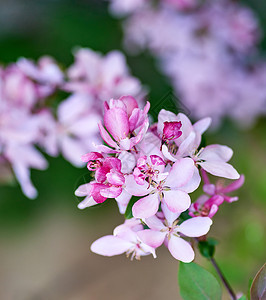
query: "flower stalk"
223, 279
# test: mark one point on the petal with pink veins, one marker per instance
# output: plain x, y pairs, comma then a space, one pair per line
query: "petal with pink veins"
115, 177
106, 136
154, 223
180, 249
168, 214
136, 189
152, 238
116, 122
195, 227
189, 145
83, 190
87, 202
193, 183
130, 103
176, 200
91, 156
146, 207
167, 154
111, 192
216, 153
95, 192
219, 168
143, 129
110, 245
180, 173
104, 149
202, 125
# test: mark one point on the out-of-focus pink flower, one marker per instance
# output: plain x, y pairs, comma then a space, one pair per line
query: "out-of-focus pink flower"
46, 72
205, 206
208, 204
182, 4
17, 89
220, 189
19, 131
216, 37
124, 7
102, 77
76, 127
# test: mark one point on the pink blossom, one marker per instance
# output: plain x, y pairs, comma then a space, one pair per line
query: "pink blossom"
124, 239
94, 160
208, 205
173, 189
102, 77
205, 206
149, 169
220, 189
212, 158
216, 37
108, 184
125, 124
46, 72
170, 232
171, 131
76, 128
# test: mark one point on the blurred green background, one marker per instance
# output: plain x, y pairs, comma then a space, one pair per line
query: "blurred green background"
45, 242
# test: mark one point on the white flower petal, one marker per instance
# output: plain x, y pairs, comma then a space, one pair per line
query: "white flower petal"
180, 249
195, 227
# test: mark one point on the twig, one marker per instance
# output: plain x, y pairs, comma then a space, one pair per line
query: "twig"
223, 279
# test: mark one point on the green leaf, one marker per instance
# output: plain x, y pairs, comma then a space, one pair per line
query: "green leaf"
207, 248
128, 213
258, 287
184, 216
196, 283
243, 298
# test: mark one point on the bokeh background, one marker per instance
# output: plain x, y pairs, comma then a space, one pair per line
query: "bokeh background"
45, 242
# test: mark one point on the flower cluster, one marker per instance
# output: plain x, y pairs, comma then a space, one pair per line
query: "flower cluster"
206, 48
151, 171
42, 105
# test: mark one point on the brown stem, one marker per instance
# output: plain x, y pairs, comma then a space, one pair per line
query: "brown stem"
223, 279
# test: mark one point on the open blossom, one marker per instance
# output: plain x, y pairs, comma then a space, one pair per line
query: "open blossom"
212, 158
167, 230
123, 240
173, 190
149, 169
151, 179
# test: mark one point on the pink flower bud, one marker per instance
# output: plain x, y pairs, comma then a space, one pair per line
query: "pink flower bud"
171, 131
